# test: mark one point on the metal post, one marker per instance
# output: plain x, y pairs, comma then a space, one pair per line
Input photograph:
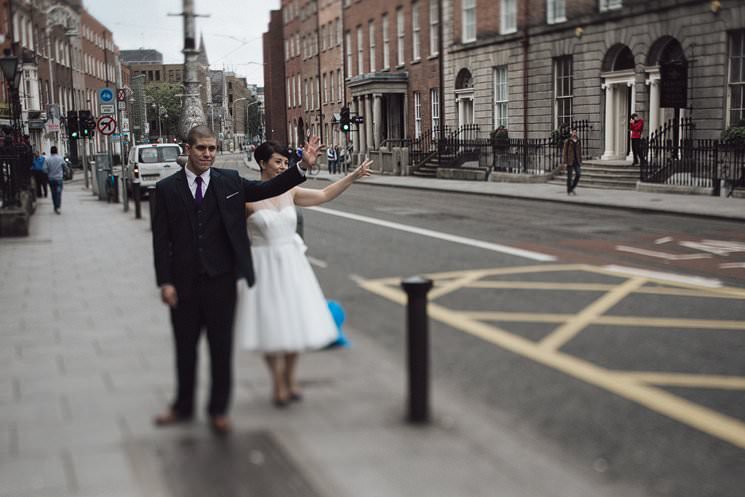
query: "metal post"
138, 196
416, 289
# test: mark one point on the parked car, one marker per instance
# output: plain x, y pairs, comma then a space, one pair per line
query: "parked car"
151, 162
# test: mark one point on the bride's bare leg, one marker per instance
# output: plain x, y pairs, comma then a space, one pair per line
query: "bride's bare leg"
276, 369
290, 378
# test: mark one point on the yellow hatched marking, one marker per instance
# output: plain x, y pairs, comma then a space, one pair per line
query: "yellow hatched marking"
635, 386
453, 285
538, 285
516, 317
571, 328
713, 324
720, 382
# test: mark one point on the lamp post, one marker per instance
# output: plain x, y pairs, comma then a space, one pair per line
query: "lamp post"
245, 124
12, 73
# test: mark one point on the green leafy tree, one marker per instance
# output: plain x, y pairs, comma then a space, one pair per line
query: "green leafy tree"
166, 96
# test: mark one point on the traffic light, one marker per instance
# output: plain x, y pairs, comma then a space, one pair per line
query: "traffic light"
86, 123
345, 122
73, 128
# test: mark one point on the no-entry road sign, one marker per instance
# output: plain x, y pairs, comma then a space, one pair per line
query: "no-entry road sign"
106, 125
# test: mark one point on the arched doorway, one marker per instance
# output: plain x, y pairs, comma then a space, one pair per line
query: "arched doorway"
619, 76
666, 50
464, 97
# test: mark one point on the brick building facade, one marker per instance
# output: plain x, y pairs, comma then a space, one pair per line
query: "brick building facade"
66, 56
275, 96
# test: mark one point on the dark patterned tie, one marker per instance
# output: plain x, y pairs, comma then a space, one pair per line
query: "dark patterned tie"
198, 195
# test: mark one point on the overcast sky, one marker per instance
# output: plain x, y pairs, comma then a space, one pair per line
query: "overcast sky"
232, 33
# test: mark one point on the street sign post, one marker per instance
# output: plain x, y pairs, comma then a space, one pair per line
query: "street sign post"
106, 125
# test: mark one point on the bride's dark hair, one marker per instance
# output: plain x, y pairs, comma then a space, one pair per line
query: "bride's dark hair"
265, 151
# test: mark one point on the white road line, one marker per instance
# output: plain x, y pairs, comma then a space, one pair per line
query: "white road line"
664, 239
528, 254
317, 262
733, 265
658, 275
661, 255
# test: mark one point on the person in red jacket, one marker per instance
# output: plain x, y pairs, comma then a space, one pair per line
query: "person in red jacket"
636, 125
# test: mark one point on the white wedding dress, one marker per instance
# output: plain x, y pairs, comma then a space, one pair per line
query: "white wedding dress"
285, 311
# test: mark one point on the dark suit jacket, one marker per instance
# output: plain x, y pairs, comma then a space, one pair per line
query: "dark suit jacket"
173, 232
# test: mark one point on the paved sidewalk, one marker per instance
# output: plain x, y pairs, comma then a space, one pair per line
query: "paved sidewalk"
674, 203
86, 360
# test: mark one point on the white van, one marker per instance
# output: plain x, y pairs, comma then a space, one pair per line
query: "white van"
151, 162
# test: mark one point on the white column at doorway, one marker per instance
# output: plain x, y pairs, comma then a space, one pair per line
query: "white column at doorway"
355, 137
632, 85
654, 105
360, 128
369, 122
377, 114
609, 124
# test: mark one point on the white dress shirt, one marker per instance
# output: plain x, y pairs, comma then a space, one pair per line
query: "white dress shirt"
191, 179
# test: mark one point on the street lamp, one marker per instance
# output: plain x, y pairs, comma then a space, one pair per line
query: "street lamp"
161, 111
10, 66
245, 124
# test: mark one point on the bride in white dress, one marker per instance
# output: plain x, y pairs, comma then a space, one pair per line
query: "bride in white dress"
285, 312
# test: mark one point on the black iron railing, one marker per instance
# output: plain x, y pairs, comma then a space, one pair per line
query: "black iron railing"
673, 157
15, 174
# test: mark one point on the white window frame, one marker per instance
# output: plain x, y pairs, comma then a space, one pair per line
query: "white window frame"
339, 32
340, 93
501, 96
289, 93
298, 83
386, 43
348, 43
606, 5
556, 11
325, 89
400, 37
563, 89
416, 31
434, 96
360, 52
736, 82
468, 20
507, 17
434, 27
417, 114
371, 44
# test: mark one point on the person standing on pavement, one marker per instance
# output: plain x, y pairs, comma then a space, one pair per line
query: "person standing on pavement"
39, 172
572, 160
636, 126
331, 156
201, 246
56, 170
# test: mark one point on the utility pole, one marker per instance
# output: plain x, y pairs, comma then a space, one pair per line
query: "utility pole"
191, 111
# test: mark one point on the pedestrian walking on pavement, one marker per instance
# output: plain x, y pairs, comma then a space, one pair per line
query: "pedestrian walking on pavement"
56, 170
40, 174
285, 275
201, 246
636, 126
572, 160
331, 157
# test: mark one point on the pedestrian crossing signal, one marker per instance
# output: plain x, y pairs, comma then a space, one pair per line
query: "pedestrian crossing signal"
345, 121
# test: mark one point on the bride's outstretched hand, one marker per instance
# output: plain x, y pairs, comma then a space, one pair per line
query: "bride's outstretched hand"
311, 151
363, 170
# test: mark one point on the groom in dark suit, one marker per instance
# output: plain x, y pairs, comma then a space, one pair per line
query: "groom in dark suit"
201, 246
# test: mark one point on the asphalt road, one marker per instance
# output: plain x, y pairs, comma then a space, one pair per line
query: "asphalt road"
636, 375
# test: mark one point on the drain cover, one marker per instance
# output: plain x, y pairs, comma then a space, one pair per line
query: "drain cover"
241, 465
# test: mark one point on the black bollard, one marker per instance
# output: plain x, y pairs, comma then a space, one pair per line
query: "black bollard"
417, 322
138, 197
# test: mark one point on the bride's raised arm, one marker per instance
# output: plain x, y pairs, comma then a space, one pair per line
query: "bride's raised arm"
308, 197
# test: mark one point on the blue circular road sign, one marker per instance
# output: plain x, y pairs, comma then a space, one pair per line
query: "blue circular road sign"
105, 95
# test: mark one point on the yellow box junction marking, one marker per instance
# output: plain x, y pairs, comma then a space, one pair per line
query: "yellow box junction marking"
640, 387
